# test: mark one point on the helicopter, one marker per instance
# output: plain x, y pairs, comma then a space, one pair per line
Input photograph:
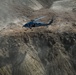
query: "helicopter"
37, 23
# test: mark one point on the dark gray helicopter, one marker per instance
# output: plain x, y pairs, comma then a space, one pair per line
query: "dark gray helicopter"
37, 23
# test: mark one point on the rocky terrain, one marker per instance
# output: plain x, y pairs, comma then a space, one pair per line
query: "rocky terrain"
40, 50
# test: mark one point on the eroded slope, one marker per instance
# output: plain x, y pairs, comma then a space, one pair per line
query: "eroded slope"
37, 53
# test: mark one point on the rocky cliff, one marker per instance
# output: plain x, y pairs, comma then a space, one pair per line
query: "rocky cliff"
40, 50
37, 52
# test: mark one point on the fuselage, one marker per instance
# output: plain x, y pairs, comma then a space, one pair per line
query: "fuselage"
34, 24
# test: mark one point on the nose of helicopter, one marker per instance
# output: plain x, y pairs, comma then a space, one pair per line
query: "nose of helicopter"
25, 25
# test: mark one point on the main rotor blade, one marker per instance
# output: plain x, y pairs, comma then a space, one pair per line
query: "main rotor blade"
39, 18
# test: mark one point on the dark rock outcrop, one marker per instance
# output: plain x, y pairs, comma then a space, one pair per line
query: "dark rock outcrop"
38, 53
